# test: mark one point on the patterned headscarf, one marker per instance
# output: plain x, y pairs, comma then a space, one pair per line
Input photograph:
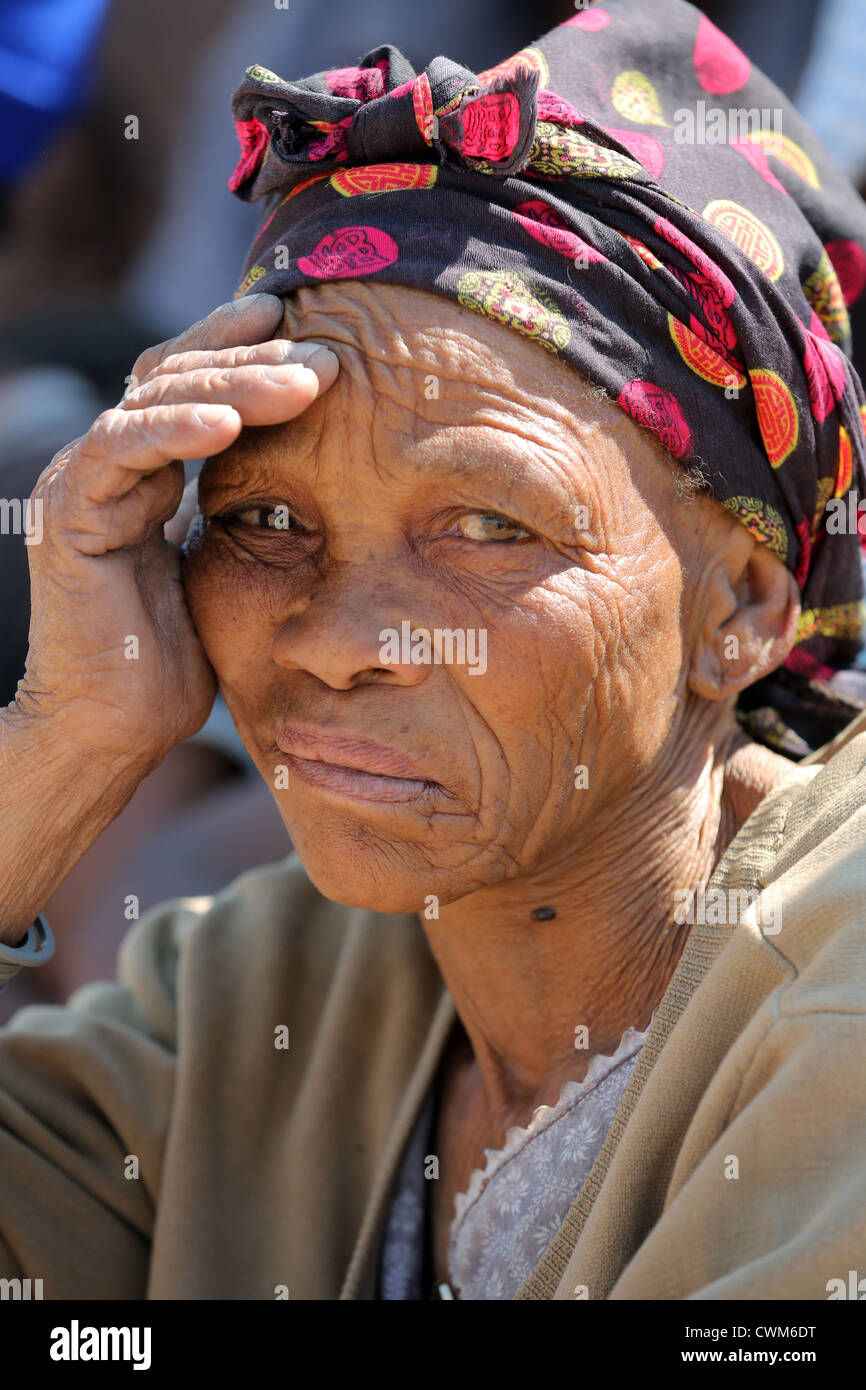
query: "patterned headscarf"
630, 193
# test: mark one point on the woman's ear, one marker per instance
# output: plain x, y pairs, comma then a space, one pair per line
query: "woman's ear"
750, 622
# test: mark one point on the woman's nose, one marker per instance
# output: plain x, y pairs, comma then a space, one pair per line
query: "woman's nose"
349, 633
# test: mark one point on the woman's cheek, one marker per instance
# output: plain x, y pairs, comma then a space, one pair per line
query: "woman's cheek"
239, 599
220, 589
203, 573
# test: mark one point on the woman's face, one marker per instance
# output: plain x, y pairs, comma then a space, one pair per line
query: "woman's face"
458, 478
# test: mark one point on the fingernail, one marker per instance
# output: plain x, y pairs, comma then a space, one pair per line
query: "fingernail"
246, 300
302, 352
257, 305
326, 365
315, 357
210, 417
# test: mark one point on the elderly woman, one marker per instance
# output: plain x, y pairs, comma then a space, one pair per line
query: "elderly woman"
515, 565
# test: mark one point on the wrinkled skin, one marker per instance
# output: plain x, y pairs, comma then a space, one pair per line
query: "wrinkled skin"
589, 661
607, 647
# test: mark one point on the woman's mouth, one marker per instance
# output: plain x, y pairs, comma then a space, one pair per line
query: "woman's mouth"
353, 766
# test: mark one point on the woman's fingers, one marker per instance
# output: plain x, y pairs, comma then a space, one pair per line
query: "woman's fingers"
105, 574
188, 398
274, 352
132, 519
265, 393
122, 446
251, 319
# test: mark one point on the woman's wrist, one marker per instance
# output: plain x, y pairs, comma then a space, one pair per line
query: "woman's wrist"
55, 800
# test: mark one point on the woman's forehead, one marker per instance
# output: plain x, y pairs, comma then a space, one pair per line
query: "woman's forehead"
441, 360
375, 318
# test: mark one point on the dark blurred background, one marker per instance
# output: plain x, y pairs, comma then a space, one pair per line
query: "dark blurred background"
96, 231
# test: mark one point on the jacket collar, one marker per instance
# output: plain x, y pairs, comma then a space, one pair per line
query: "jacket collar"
360, 1280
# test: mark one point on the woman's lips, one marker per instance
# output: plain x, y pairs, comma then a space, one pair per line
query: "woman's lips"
355, 766
367, 785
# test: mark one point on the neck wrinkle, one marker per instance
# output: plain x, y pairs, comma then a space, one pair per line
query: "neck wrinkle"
521, 988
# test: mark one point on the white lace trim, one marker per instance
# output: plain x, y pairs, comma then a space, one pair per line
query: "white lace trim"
544, 1116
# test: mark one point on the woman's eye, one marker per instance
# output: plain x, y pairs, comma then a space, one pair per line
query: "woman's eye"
277, 518
490, 526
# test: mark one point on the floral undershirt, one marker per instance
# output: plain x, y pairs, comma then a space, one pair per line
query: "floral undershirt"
514, 1205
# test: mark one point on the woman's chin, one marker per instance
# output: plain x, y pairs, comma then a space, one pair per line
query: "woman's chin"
365, 890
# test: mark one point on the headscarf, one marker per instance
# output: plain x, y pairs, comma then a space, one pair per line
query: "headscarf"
634, 196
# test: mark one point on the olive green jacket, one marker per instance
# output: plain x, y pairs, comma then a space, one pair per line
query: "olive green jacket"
159, 1139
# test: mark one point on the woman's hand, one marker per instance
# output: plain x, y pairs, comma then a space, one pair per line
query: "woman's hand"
114, 657
115, 673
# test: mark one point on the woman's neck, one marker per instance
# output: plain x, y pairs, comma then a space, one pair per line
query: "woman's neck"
537, 998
